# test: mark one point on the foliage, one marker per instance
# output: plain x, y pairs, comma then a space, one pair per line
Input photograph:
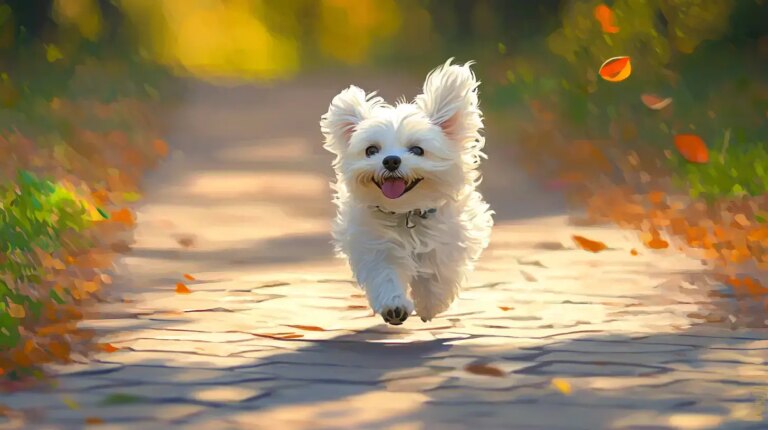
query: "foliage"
77, 132
35, 215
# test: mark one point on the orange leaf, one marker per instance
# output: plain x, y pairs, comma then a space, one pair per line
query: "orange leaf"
182, 289
562, 386
160, 147
633, 251
94, 420
291, 336
484, 369
307, 327
604, 15
692, 148
589, 245
123, 215
616, 69
189, 277
652, 101
60, 350
657, 243
108, 347
505, 308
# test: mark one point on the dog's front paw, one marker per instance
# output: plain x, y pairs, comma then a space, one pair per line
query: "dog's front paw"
396, 315
395, 310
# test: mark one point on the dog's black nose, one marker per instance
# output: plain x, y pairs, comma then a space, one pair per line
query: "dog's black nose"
391, 162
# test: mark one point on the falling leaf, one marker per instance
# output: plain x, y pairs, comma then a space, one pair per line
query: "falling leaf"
654, 102
692, 148
506, 308
71, 404
189, 277
108, 347
53, 53
484, 369
633, 251
604, 15
307, 327
616, 69
94, 420
562, 386
589, 245
182, 289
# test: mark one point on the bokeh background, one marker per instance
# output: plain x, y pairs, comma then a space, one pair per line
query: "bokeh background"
89, 86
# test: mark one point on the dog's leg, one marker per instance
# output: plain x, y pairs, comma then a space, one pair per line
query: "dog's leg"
384, 282
443, 276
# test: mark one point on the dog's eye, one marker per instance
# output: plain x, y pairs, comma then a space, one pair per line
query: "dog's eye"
416, 150
371, 151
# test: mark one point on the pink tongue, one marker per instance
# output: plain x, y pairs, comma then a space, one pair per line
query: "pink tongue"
393, 188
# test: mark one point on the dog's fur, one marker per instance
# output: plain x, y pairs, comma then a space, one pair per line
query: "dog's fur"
423, 266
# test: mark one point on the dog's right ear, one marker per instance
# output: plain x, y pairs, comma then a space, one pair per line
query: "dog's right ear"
347, 109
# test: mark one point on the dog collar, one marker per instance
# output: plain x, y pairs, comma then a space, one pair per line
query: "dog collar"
423, 214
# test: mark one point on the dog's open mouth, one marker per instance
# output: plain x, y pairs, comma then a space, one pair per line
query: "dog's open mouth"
394, 188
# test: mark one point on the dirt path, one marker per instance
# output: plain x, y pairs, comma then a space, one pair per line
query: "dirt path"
274, 334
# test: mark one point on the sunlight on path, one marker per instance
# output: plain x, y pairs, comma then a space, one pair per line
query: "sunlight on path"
274, 333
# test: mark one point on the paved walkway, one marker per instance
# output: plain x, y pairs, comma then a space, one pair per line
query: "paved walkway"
275, 335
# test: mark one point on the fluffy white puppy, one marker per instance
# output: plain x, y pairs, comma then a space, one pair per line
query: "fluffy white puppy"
410, 220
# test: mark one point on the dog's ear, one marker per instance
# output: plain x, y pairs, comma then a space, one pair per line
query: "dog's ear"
450, 101
347, 109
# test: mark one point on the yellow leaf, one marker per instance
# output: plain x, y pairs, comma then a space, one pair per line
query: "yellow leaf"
16, 311
71, 404
562, 386
53, 53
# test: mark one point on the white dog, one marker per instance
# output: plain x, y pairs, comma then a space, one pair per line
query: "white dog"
409, 219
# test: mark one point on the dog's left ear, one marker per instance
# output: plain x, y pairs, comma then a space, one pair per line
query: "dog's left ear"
347, 110
450, 102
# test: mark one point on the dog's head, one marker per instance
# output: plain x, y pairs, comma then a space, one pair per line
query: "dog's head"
410, 155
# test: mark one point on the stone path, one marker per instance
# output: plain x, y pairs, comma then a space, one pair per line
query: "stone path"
275, 335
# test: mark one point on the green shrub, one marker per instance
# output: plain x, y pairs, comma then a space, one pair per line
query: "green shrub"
35, 215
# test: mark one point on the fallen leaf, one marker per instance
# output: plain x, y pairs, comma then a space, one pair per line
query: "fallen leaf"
182, 289
506, 308
604, 15
123, 216
357, 307
654, 102
484, 369
616, 69
16, 310
306, 327
161, 148
121, 399
189, 277
589, 245
742, 220
71, 404
562, 386
94, 420
633, 251
528, 277
692, 148
108, 347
